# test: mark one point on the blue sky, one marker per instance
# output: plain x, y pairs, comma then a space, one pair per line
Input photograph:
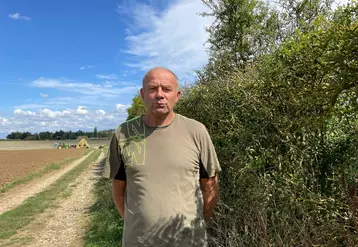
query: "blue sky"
74, 65
77, 64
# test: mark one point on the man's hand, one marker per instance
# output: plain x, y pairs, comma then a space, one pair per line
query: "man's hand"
210, 191
118, 192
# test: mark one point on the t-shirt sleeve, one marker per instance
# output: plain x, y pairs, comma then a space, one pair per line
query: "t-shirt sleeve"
209, 163
116, 165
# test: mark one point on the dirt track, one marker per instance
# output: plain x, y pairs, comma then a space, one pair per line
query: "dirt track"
15, 164
19, 194
67, 222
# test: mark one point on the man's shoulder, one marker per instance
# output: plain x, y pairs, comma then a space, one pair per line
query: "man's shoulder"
191, 123
133, 121
124, 127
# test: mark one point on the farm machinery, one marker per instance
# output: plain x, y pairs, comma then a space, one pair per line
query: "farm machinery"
82, 142
62, 145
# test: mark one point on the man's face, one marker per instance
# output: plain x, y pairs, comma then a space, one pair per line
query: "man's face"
160, 92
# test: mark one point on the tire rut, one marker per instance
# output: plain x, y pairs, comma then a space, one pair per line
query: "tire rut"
65, 224
19, 194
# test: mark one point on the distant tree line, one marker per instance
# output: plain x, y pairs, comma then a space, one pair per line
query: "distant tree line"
59, 135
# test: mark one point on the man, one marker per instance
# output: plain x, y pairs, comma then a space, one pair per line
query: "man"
164, 169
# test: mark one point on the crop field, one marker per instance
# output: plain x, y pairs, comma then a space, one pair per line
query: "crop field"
16, 164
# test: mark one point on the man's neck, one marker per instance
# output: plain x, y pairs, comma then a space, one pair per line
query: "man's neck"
155, 121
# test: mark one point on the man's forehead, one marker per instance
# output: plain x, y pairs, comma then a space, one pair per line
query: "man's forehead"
161, 76
164, 79
161, 82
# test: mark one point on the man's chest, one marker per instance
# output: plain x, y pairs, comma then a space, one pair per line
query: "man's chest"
160, 153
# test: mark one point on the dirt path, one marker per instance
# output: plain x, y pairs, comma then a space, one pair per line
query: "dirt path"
16, 196
66, 224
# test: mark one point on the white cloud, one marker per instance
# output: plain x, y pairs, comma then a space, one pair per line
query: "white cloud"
120, 108
4, 121
107, 77
140, 21
95, 100
80, 117
86, 67
29, 106
44, 95
43, 113
104, 90
17, 16
47, 113
173, 38
100, 112
81, 110
20, 112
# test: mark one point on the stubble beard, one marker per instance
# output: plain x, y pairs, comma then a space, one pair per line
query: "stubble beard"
161, 112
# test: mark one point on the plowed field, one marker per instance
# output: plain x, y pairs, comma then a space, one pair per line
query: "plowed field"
15, 164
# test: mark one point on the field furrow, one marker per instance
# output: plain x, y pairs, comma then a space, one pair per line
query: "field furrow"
14, 198
17, 164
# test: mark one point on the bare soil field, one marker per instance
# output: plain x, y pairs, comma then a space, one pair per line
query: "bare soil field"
15, 164
65, 223
31, 145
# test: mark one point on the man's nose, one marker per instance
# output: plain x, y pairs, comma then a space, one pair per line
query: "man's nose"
159, 93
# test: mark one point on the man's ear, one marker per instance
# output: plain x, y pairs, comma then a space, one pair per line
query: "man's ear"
178, 95
142, 93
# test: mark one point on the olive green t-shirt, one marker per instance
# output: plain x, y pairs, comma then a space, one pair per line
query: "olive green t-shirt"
162, 167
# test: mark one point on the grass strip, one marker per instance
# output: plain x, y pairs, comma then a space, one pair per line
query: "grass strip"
19, 217
106, 225
37, 174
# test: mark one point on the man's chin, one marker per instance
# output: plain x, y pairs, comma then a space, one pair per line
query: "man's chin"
160, 112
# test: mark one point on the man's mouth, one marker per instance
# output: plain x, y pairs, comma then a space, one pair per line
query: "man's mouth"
160, 105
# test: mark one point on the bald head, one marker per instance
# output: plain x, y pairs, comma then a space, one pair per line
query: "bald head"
160, 92
159, 70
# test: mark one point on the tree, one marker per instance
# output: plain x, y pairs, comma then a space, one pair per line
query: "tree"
79, 133
14, 135
137, 108
24, 135
95, 132
242, 30
301, 14
58, 135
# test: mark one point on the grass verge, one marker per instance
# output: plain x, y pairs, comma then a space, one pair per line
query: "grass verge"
19, 217
37, 174
106, 225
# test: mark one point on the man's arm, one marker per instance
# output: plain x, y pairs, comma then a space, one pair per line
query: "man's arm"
117, 174
118, 192
210, 191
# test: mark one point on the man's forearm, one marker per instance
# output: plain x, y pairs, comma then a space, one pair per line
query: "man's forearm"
118, 192
210, 201
119, 201
210, 192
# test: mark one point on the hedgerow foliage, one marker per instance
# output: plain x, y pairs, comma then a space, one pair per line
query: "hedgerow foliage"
279, 97
283, 121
